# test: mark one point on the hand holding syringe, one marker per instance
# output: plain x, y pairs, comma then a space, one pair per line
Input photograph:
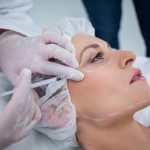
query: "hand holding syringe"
21, 113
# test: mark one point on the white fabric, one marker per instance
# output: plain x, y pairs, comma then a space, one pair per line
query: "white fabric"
143, 116
70, 26
58, 120
14, 16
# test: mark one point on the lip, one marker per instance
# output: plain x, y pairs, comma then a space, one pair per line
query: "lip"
137, 76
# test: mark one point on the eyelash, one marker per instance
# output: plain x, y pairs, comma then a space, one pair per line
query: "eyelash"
98, 56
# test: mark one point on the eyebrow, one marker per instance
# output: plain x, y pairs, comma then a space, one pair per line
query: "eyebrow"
95, 46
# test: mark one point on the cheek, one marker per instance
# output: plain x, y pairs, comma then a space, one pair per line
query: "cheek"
93, 93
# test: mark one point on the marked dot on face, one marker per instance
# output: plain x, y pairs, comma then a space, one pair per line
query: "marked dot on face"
98, 119
144, 101
86, 117
114, 114
130, 107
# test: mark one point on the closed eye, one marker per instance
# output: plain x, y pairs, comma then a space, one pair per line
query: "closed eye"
97, 57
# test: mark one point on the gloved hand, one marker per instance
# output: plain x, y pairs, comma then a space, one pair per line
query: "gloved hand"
18, 51
20, 114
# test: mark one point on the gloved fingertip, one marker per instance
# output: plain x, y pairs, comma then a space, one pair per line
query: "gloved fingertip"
26, 72
75, 63
77, 76
69, 46
25, 75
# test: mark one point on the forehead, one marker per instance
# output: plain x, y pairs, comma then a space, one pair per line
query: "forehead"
80, 41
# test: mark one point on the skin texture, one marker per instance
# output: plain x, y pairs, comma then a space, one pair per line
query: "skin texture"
106, 89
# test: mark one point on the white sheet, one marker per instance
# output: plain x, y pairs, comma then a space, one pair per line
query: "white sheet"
143, 116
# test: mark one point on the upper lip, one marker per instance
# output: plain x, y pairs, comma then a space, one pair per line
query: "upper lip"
137, 73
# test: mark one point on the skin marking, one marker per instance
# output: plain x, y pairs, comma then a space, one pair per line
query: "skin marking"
129, 107
114, 114
144, 101
98, 120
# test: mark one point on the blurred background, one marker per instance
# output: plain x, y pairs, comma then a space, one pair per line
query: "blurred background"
48, 12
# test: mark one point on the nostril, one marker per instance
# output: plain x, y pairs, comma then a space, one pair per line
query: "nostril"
129, 61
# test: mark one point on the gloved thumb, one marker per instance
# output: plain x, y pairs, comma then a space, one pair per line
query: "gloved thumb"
23, 87
25, 77
21, 92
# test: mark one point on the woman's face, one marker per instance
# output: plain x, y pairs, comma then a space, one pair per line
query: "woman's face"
108, 86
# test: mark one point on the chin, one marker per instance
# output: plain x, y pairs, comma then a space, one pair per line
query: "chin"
144, 99
141, 96
142, 89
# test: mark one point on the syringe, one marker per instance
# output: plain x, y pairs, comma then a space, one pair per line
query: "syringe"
38, 84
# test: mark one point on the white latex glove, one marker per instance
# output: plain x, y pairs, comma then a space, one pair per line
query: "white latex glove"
18, 51
20, 114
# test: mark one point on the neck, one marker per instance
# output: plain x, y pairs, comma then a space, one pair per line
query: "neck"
125, 135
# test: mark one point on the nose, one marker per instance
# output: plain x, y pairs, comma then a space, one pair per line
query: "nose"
127, 58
